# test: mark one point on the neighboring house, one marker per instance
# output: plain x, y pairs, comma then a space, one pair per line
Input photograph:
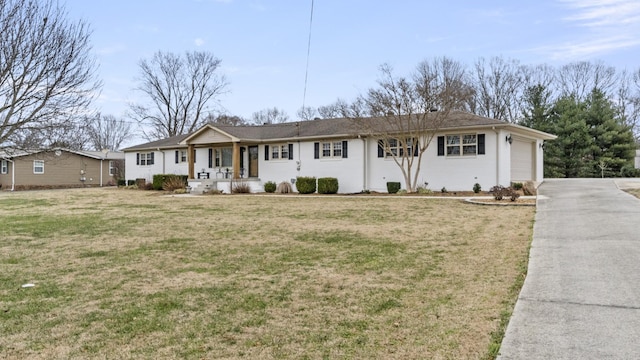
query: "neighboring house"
637, 160
57, 168
494, 152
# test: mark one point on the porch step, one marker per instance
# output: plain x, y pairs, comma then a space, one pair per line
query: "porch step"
200, 186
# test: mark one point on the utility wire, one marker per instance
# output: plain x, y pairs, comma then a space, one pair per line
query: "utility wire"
306, 72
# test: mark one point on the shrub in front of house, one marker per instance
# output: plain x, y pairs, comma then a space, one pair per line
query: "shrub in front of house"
160, 179
517, 185
122, 182
131, 182
174, 182
500, 192
393, 187
327, 185
240, 187
477, 188
284, 188
270, 186
306, 184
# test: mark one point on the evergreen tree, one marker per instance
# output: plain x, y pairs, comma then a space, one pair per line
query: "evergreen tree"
613, 142
570, 155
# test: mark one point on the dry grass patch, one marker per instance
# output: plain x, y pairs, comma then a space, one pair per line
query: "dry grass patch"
131, 274
634, 192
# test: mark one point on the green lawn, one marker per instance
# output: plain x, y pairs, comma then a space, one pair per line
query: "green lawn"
132, 274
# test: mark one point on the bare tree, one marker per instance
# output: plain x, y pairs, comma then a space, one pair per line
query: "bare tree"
180, 89
307, 113
580, 78
107, 132
46, 71
69, 134
332, 110
225, 119
269, 116
498, 87
405, 113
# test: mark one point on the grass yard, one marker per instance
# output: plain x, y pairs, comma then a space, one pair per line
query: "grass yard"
122, 274
634, 192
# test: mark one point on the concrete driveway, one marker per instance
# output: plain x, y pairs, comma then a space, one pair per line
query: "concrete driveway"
581, 297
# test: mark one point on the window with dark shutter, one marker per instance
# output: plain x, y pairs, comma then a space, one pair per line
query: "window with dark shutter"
380, 149
316, 150
481, 144
137, 158
177, 157
415, 147
194, 155
152, 161
210, 158
290, 151
344, 149
266, 152
440, 145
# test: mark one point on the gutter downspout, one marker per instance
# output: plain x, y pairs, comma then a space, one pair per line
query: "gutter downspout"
101, 172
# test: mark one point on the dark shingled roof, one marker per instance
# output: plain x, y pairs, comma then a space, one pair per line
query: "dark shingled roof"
316, 128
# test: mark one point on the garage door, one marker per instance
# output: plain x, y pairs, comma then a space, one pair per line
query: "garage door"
521, 160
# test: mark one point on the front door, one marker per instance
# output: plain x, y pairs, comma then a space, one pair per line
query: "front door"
253, 161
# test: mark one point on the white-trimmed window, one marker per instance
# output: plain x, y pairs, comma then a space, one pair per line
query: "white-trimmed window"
183, 156
145, 159
278, 152
462, 145
330, 149
112, 168
38, 166
396, 148
4, 167
456, 145
224, 157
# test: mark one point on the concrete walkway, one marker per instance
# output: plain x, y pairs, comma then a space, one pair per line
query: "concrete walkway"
581, 297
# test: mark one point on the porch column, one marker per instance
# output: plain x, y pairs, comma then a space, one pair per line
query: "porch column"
190, 150
236, 160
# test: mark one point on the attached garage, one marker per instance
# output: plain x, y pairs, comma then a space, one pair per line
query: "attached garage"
522, 160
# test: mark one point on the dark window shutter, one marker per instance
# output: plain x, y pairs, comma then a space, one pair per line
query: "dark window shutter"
416, 145
177, 156
316, 150
290, 151
345, 145
266, 152
480, 144
194, 155
440, 145
380, 149
210, 158
152, 161
137, 158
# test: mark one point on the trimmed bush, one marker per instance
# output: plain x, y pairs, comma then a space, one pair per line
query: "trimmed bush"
306, 184
131, 182
477, 188
327, 185
393, 187
517, 185
122, 182
270, 187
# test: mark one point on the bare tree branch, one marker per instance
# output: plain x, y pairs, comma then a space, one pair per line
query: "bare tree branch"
46, 71
107, 132
180, 90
